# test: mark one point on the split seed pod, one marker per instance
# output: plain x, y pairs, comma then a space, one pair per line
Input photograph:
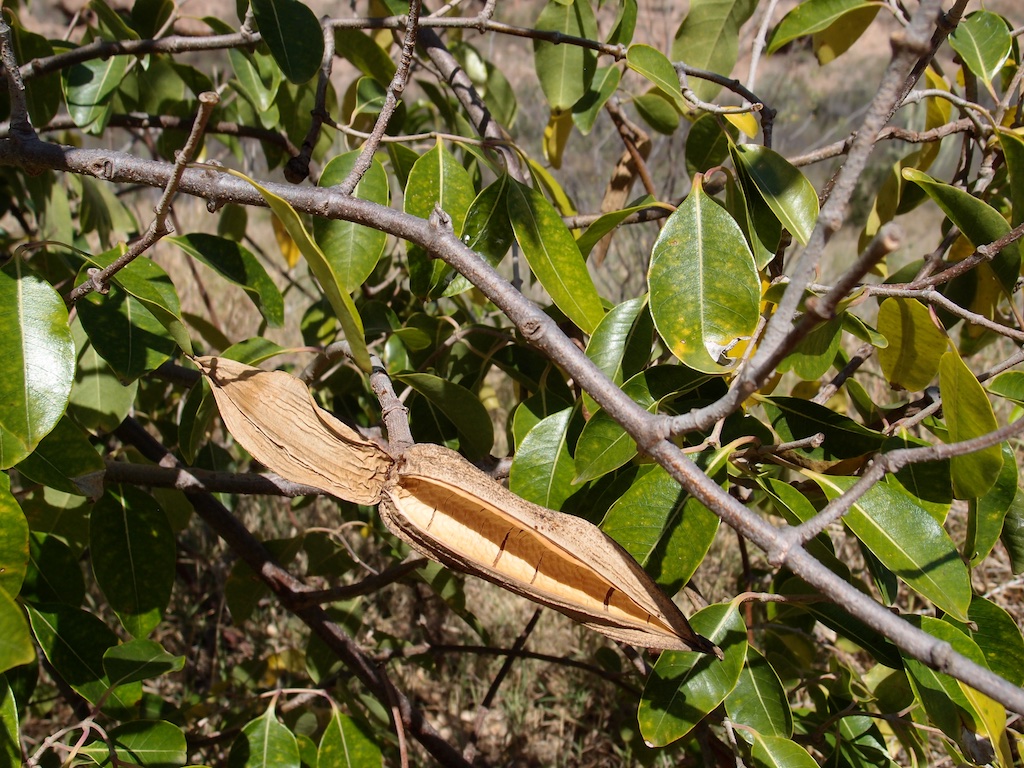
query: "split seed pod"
446, 508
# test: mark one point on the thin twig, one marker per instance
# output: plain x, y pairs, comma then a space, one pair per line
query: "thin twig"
21, 125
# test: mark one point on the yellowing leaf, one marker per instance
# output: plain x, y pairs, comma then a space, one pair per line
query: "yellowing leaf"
556, 136
915, 344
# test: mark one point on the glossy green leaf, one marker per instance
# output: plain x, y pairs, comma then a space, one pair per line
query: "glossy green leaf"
565, 71
364, 52
437, 179
707, 144
783, 187
916, 344
908, 541
810, 17
487, 231
264, 743
238, 265
42, 93
353, 249
985, 515
968, 414
74, 642
146, 281
330, 281
983, 42
663, 528
709, 38
704, 288
54, 574
99, 401
461, 406
779, 752
552, 254
125, 334
999, 638
1008, 384
39, 361
346, 745
759, 700
655, 66
832, 42
133, 555
139, 659
67, 461
1013, 154
10, 732
111, 22
148, 743
621, 344
980, 222
625, 23
761, 228
602, 88
608, 222
88, 87
658, 111
542, 469
1012, 534
13, 540
15, 642
796, 419
684, 687
927, 482
257, 84
293, 34
816, 352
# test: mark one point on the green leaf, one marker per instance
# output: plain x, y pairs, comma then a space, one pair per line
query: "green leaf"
968, 414
916, 344
437, 179
149, 743
779, 752
684, 687
1013, 154
39, 361
663, 528
346, 745
608, 222
99, 401
87, 90
831, 43
783, 187
74, 642
139, 660
621, 344
907, 540
264, 743
258, 89
67, 461
1012, 534
602, 88
707, 144
353, 249
709, 37
796, 419
704, 288
330, 281
461, 406
927, 482
998, 637
43, 93
133, 554
542, 469
565, 71
113, 23
983, 42
364, 52
293, 34
10, 738
54, 574
13, 540
816, 352
238, 265
148, 283
985, 515
125, 334
810, 17
15, 642
658, 111
655, 66
1008, 384
759, 700
979, 221
487, 231
553, 256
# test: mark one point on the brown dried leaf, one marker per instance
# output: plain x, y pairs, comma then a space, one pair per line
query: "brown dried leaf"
273, 416
448, 509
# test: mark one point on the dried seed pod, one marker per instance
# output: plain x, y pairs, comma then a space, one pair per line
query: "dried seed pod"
448, 509
274, 417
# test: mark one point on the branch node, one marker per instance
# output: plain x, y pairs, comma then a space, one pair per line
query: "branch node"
99, 284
